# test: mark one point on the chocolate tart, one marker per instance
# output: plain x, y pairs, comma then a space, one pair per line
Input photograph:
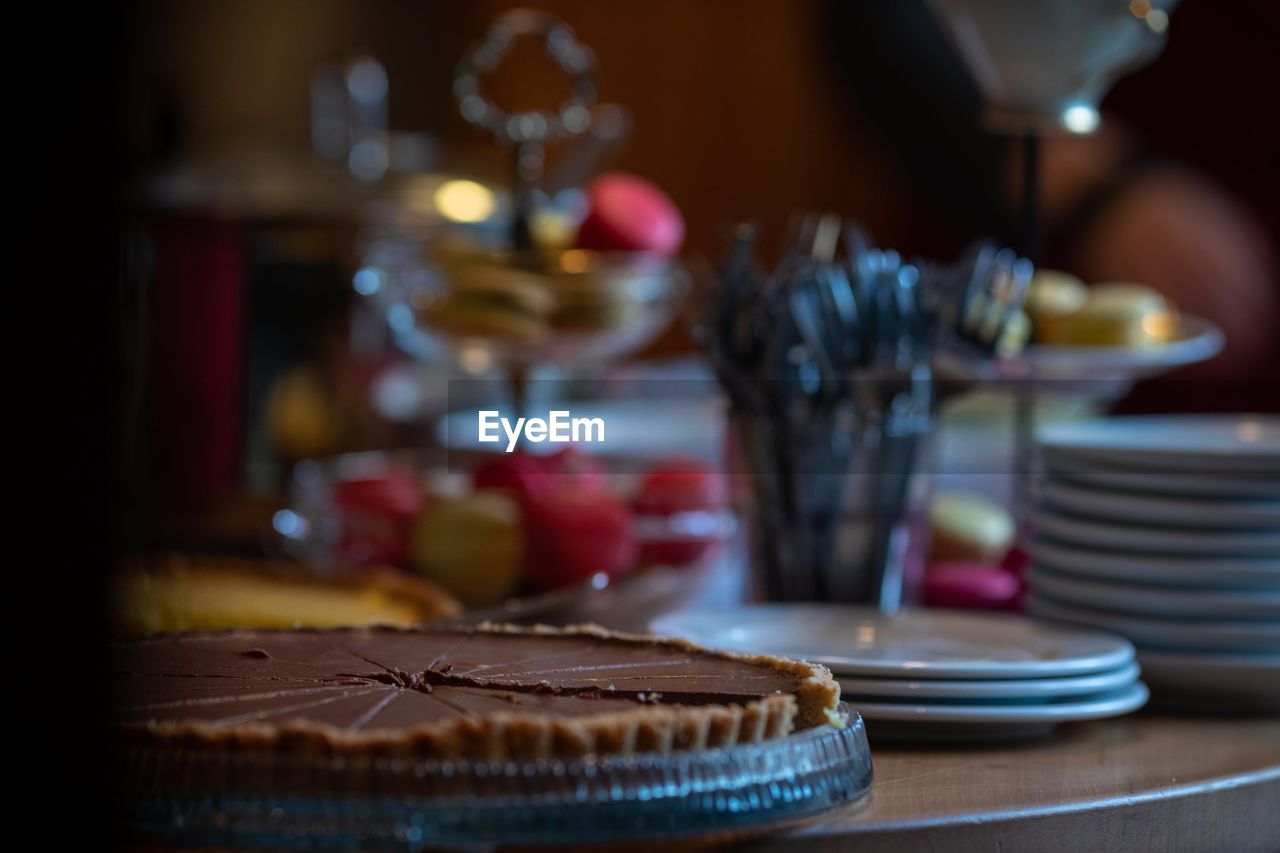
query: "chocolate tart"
495, 692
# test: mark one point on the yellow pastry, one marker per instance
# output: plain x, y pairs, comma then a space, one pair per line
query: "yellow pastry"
1053, 298
492, 299
967, 526
1123, 315
181, 594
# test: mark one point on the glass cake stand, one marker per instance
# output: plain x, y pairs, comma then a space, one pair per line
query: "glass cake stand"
244, 800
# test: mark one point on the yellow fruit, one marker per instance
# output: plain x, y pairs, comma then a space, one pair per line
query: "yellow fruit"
302, 418
472, 545
1118, 315
967, 526
1051, 301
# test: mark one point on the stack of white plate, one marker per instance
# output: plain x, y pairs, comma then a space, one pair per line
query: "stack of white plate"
937, 674
1166, 530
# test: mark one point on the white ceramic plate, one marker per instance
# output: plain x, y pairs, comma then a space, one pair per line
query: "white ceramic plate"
1171, 570
1013, 689
861, 641
1248, 676
1219, 444
1198, 340
1239, 487
1155, 601
1111, 704
1135, 538
1184, 635
1120, 507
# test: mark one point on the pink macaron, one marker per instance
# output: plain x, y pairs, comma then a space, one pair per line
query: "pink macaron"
626, 213
971, 585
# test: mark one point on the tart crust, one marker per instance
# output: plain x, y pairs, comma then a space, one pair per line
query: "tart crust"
530, 735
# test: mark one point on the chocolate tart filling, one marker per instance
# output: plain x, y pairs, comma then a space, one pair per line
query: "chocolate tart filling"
494, 692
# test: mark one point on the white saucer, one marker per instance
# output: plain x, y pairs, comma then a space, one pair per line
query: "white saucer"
1239, 487
862, 641
1256, 677
1038, 689
1156, 540
1110, 704
1245, 444
1155, 601
1184, 635
1170, 571
1197, 340
1118, 507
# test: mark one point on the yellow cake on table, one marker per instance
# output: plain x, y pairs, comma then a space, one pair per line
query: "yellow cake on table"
179, 593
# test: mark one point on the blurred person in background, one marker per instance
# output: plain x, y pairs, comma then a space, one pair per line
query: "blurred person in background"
1179, 190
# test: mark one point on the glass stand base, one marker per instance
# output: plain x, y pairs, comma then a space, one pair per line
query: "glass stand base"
231, 800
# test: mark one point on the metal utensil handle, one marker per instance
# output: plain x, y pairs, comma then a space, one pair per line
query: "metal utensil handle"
528, 131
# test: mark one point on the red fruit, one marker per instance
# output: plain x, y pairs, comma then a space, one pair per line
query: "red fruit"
573, 466
626, 213
377, 514
1015, 561
679, 502
970, 585
676, 551
523, 474
528, 476
573, 533
680, 485
397, 494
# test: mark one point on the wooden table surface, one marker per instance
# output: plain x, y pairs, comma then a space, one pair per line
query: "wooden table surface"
1142, 782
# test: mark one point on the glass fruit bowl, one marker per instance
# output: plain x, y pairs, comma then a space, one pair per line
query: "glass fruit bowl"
421, 510
524, 309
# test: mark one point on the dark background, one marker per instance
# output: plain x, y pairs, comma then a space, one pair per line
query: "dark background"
758, 108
